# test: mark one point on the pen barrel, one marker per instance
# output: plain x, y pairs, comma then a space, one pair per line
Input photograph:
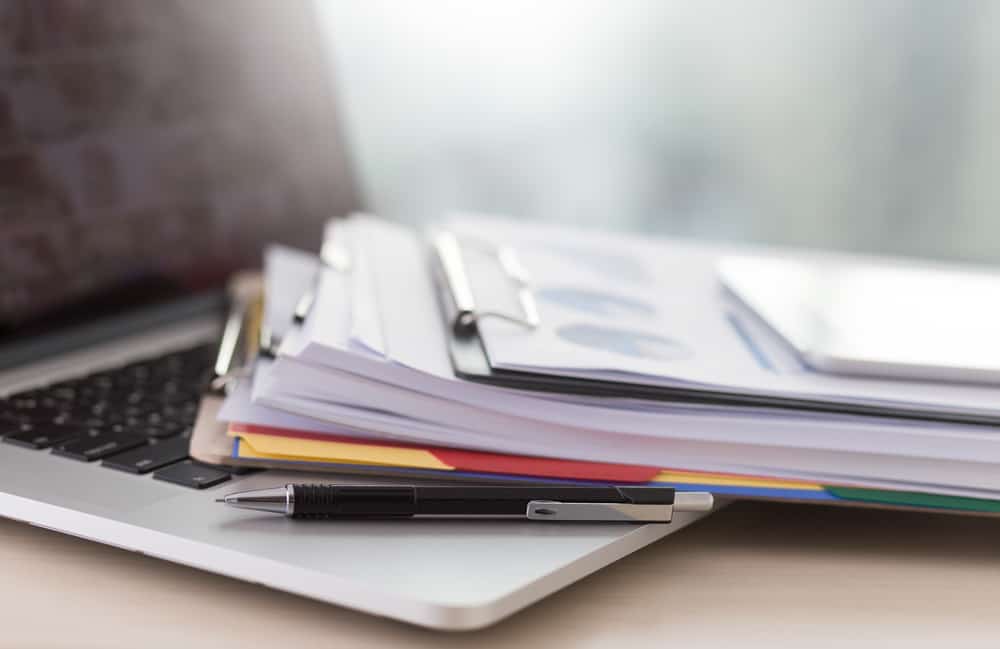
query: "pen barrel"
329, 501
513, 501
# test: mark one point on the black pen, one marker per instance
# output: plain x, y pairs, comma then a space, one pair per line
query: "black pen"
536, 503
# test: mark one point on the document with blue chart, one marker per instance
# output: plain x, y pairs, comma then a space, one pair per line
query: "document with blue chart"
651, 317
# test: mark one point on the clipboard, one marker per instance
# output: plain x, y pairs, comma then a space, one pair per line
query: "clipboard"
462, 314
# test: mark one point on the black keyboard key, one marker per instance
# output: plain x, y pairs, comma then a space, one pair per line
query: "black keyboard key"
186, 406
64, 393
28, 394
151, 457
38, 436
32, 409
49, 403
138, 412
166, 429
192, 474
42, 416
241, 470
11, 416
37, 414
172, 412
138, 372
60, 419
133, 398
96, 445
23, 402
88, 396
100, 408
103, 382
90, 421
158, 429
15, 426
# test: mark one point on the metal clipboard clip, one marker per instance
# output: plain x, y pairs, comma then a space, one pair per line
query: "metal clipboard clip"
330, 256
462, 311
243, 335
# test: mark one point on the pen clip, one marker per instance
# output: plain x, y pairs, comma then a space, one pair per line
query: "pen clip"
331, 256
462, 310
551, 510
245, 304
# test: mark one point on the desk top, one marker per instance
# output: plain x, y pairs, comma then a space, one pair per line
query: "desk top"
751, 576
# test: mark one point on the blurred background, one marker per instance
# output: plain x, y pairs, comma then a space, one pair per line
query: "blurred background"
858, 124
174, 137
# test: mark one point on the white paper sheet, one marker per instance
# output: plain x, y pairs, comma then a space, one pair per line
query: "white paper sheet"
366, 326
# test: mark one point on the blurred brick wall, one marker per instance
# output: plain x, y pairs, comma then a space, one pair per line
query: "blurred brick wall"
168, 136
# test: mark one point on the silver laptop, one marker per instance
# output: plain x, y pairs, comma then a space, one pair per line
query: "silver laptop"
137, 180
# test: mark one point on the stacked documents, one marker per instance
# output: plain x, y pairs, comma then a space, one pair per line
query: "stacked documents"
490, 349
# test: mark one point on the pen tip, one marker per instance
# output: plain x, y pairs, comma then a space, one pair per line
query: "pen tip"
220, 500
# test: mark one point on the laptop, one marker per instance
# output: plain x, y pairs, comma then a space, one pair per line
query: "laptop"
154, 148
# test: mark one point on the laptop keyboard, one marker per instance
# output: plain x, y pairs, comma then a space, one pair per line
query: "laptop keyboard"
136, 418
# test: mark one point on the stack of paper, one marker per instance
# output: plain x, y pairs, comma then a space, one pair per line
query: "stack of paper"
702, 393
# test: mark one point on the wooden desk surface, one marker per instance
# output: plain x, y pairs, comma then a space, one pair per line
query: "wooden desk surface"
752, 576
